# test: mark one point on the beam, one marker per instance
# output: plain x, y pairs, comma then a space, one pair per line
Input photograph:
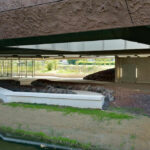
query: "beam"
69, 37
141, 35
5, 51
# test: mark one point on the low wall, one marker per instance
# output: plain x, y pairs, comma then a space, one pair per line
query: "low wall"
73, 100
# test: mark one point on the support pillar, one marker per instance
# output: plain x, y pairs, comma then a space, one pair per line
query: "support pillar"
26, 68
11, 68
32, 69
19, 68
2, 68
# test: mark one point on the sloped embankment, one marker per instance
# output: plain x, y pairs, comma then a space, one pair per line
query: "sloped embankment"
106, 75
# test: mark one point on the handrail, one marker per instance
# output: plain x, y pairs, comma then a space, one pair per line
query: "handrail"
40, 144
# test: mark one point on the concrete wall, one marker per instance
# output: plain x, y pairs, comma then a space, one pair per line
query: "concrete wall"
133, 70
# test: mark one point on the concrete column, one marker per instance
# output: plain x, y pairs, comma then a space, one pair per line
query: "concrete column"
6, 67
26, 68
19, 68
11, 68
32, 68
117, 69
2, 68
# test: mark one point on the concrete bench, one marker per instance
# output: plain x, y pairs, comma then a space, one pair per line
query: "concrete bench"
73, 100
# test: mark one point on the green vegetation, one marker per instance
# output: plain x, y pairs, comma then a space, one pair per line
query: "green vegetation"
49, 66
132, 148
95, 113
97, 61
133, 136
73, 62
40, 136
76, 66
52, 65
79, 66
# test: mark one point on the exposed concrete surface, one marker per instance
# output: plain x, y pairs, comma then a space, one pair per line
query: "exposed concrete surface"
64, 17
86, 92
140, 11
69, 16
124, 135
133, 70
16, 4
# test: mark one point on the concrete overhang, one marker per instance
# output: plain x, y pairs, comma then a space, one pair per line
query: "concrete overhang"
55, 21
59, 21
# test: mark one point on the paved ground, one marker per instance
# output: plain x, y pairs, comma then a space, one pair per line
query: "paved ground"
112, 134
132, 96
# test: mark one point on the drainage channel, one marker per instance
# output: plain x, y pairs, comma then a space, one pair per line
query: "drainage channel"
39, 144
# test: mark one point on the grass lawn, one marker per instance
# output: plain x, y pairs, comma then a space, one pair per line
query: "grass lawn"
95, 113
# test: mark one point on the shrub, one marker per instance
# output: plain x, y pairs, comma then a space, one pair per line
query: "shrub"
49, 66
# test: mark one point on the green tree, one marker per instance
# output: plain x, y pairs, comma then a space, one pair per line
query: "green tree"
52, 65
73, 61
